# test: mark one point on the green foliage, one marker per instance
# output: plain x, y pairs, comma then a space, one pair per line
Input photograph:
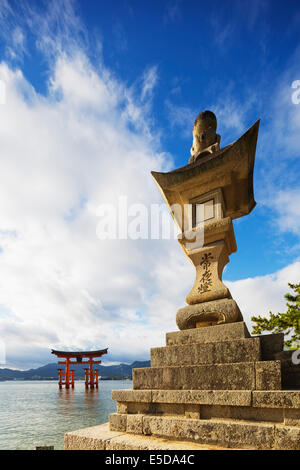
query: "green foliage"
288, 322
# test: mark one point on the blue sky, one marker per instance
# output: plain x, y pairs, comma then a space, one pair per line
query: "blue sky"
97, 95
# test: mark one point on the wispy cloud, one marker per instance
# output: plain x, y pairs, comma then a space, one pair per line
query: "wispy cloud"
120, 36
279, 150
286, 114
226, 26
181, 117
222, 32
232, 114
56, 27
172, 13
17, 47
149, 81
285, 205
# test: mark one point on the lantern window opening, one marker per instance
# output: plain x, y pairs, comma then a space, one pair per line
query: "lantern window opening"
207, 207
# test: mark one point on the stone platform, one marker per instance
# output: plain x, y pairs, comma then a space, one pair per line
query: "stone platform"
211, 387
235, 419
102, 438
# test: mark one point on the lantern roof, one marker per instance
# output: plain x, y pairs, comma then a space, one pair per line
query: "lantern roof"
230, 169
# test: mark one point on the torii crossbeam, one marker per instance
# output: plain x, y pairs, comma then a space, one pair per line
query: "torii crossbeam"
66, 377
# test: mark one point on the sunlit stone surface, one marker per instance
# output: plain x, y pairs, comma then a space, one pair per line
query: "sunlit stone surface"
212, 385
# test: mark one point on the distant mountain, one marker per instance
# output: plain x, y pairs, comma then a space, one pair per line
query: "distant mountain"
49, 371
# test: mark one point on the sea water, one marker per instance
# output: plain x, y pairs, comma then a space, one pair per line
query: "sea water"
36, 413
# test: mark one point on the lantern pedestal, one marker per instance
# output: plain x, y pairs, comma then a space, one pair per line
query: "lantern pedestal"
210, 313
217, 242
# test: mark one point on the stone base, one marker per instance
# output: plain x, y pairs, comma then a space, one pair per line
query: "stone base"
222, 357
210, 386
101, 438
215, 386
196, 420
215, 312
235, 419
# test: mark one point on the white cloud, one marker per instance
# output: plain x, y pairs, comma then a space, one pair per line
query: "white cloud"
262, 294
286, 118
281, 132
62, 156
287, 206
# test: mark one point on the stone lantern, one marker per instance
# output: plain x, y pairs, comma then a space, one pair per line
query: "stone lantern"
213, 385
204, 197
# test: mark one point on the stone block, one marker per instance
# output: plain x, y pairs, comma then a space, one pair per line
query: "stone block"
292, 417
135, 424
210, 334
245, 413
203, 397
192, 411
135, 442
131, 442
268, 375
92, 438
239, 376
224, 433
122, 407
287, 438
168, 408
276, 399
132, 395
118, 422
244, 350
139, 407
101, 438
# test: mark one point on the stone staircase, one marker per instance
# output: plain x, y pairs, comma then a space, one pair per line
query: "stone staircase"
211, 387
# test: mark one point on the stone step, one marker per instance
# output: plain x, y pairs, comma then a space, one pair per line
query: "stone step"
271, 344
264, 375
208, 405
286, 399
219, 432
209, 334
101, 438
243, 350
199, 397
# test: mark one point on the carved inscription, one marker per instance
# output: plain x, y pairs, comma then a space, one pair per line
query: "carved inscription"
206, 278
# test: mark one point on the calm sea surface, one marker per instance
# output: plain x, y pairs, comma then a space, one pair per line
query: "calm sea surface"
34, 413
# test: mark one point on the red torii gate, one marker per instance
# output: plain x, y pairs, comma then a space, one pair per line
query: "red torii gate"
90, 378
